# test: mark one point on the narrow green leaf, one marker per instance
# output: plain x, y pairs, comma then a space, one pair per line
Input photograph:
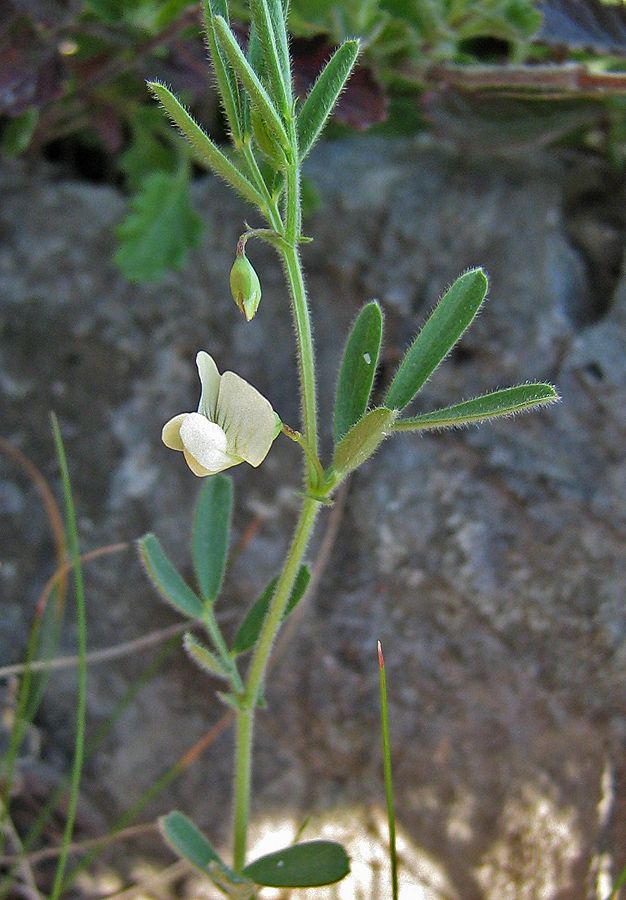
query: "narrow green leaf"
259, 97
310, 864
202, 143
211, 529
363, 439
226, 80
167, 580
187, 841
323, 95
298, 590
505, 402
250, 629
358, 369
442, 330
273, 43
204, 657
278, 16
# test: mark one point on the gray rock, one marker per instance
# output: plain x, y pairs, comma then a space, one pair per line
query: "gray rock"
489, 562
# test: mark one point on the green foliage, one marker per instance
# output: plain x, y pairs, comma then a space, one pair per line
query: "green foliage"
211, 530
204, 657
489, 406
363, 439
160, 230
323, 95
186, 840
453, 314
167, 580
250, 629
358, 369
310, 864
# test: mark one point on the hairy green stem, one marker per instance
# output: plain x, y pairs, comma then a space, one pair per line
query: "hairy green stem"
256, 676
295, 279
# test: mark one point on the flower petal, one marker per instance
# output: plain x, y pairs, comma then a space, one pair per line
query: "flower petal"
247, 419
210, 381
171, 432
206, 443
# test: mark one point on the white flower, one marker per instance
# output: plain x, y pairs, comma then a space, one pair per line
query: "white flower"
233, 423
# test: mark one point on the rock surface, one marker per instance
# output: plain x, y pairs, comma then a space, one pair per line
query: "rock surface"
491, 563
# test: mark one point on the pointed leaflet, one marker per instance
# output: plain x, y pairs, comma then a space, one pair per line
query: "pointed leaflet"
363, 440
211, 529
272, 36
250, 629
259, 97
448, 321
226, 81
208, 151
505, 402
167, 580
310, 864
187, 841
204, 657
323, 95
358, 369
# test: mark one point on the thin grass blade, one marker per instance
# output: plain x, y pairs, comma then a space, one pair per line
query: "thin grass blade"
384, 718
505, 402
208, 152
452, 315
323, 95
358, 369
81, 704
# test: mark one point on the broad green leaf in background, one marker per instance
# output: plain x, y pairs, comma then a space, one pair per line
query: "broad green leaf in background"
323, 95
505, 402
167, 580
310, 864
18, 131
358, 369
363, 439
149, 151
211, 529
452, 315
160, 229
250, 628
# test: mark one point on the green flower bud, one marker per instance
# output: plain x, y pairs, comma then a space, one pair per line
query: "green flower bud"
245, 286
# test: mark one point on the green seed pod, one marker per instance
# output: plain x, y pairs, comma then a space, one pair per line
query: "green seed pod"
245, 286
